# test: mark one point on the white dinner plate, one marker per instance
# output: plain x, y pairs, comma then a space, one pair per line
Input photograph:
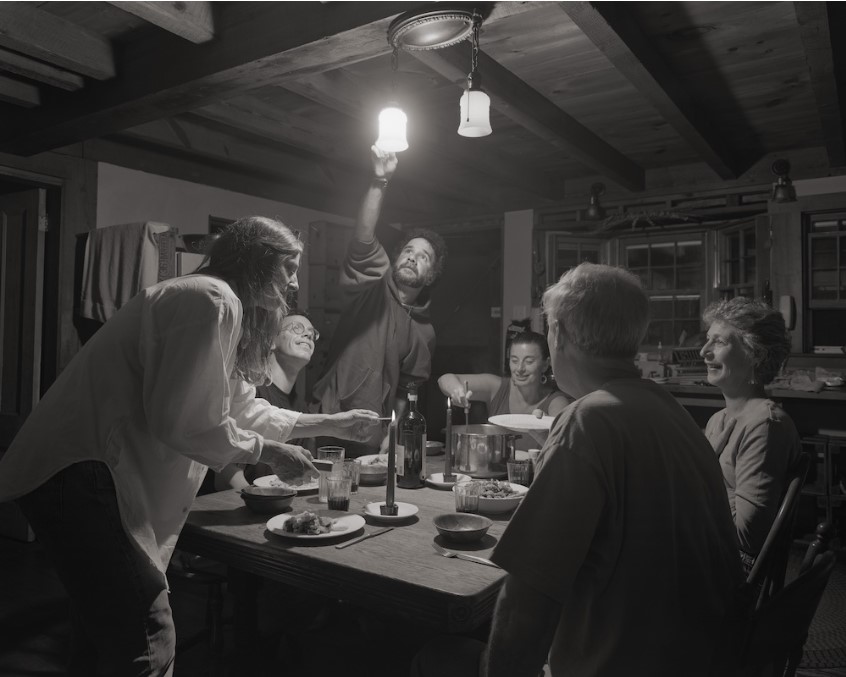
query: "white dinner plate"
522, 423
437, 480
373, 512
345, 523
274, 481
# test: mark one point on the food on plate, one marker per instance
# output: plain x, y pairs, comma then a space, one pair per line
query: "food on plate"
276, 482
308, 523
496, 489
378, 461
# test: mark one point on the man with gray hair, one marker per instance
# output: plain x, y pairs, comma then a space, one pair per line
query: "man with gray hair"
622, 557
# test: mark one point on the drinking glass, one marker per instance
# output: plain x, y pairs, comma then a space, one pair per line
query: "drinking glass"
336, 456
467, 496
351, 470
338, 492
520, 472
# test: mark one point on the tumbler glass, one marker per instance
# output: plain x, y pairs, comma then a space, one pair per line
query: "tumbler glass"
467, 496
336, 456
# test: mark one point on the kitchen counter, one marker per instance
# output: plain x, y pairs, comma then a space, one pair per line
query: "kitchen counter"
777, 393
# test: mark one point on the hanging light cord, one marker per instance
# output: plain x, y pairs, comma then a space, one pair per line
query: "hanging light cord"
474, 60
394, 69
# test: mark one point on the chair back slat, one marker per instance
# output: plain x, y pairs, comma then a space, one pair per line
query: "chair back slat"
770, 566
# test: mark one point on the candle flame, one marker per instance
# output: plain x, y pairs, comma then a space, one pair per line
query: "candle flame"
449, 402
393, 417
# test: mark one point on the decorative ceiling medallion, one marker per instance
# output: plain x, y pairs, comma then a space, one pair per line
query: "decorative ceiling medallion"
416, 30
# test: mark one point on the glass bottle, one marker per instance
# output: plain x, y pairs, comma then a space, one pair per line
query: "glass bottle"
411, 446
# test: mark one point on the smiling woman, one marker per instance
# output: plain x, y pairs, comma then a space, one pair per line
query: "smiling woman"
756, 442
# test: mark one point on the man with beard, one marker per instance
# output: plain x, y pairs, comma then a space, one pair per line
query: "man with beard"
384, 340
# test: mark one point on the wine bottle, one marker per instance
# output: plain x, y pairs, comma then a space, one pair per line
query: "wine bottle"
411, 446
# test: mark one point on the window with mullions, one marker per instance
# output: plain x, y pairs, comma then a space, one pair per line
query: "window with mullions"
673, 273
825, 275
564, 252
738, 261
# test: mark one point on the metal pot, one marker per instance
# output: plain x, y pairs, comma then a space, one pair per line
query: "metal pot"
482, 450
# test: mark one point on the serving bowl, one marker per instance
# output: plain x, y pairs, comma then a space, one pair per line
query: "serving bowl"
461, 527
267, 500
373, 469
434, 447
501, 504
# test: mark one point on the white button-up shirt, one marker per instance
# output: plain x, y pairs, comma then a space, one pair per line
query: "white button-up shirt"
151, 396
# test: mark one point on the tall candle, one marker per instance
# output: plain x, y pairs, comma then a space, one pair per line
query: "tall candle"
448, 446
392, 462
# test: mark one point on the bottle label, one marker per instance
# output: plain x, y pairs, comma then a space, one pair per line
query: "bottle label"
400, 459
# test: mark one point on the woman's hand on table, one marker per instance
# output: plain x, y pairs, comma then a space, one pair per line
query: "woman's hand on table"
289, 461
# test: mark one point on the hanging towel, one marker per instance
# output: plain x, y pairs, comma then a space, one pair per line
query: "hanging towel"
119, 262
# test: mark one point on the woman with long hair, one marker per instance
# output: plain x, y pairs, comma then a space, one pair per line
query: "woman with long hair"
108, 463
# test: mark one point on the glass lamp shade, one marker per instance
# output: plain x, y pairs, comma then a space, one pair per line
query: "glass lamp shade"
475, 113
392, 124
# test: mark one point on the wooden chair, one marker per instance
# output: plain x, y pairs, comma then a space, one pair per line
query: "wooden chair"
774, 634
768, 572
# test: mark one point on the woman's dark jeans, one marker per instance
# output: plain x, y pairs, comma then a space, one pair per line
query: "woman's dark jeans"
121, 615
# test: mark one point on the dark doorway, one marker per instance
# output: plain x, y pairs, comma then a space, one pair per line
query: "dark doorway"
468, 330
29, 257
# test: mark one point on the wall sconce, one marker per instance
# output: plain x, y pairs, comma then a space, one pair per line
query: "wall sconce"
783, 190
392, 119
475, 105
595, 211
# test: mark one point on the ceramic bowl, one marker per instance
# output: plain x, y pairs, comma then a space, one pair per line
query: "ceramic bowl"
494, 506
267, 500
462, 527
434, 447
373, 469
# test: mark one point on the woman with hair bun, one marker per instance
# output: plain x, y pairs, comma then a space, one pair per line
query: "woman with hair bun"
755, 441
529, 387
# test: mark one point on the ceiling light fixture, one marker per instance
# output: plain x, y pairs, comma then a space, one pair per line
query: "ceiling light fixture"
783, 190
595, 211
392, 119
475, 105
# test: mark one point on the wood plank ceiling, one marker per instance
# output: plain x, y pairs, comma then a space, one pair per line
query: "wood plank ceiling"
281, 98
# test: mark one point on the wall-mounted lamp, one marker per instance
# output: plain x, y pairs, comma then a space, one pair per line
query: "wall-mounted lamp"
392, 118
595, 211
475, 105
783, 190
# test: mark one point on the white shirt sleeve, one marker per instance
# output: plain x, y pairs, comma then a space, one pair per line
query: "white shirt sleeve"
258, 414
188, 350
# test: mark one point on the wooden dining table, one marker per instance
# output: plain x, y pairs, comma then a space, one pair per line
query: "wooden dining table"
396, 574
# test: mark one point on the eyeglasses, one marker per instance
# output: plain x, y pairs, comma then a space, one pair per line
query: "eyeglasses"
300, 330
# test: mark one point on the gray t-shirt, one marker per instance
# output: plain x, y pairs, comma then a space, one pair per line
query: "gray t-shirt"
627, 526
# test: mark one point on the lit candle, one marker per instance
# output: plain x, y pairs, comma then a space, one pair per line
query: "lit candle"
448, 446
390, 507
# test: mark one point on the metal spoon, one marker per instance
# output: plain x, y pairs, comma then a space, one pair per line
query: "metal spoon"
461, 555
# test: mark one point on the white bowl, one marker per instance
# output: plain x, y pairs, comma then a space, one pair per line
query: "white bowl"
494, 506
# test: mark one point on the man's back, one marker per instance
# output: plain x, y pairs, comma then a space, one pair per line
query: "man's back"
628, 527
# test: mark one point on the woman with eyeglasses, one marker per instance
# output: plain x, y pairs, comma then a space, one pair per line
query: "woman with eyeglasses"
292, 351
108, 463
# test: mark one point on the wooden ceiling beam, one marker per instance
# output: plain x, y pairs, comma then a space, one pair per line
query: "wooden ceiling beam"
18, 64
189, 20
826, 58
37, 33
19, 93
529, 108
256, 44
350, 96
612, 28
297, 132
